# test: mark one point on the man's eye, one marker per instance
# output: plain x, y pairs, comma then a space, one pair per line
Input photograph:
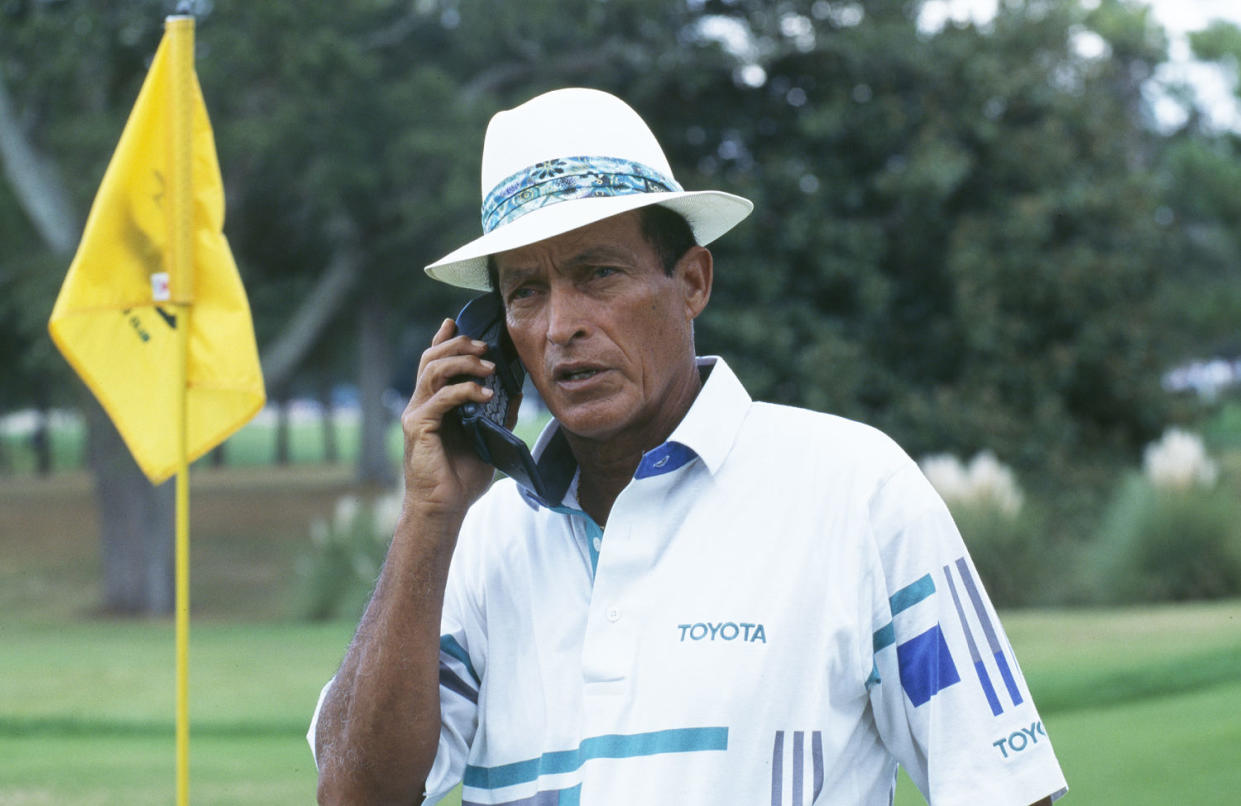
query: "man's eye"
603, 271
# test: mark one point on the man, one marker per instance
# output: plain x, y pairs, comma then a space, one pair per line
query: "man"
722, 601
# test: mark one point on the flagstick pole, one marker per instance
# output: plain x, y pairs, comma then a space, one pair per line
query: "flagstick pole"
180, 30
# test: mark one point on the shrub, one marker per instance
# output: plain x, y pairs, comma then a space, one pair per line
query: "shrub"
1179, 461
337, 576
1011, 552
1159, 543
1171, 533
1004, 535
985, 482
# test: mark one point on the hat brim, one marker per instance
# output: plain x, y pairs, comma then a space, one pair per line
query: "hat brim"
709, 213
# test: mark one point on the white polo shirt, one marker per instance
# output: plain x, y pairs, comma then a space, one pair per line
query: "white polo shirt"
778, 610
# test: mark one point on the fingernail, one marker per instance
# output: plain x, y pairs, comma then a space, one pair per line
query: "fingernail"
487, 391
478, 343
489, 364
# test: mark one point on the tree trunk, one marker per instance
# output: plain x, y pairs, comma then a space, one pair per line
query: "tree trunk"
136, 525
136, 519
41, 439
331, 291
374, 370
36, 183
41, 443
282, 432
331, 452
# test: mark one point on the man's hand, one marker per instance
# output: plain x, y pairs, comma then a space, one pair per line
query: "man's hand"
442, 472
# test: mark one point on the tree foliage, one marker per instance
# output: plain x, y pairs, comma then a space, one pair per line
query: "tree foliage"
957, 236
972, 237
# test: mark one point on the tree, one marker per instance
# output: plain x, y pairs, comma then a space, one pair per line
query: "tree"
135, 518
961, 236
955, 237
1201, 170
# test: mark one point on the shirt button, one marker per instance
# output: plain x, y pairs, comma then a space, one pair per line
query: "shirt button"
598, 542
613, 614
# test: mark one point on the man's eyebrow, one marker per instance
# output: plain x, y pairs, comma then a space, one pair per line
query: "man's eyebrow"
590, 256
518, 274
598, 254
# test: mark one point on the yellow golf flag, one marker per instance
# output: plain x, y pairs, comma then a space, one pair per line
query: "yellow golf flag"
116, 316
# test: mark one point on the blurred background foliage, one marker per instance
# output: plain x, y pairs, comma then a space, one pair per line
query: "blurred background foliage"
975, 238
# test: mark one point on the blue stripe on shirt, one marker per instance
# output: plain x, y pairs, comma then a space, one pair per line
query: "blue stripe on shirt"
676, 740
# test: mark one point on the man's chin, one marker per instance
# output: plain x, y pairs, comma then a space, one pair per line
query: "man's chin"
596, 422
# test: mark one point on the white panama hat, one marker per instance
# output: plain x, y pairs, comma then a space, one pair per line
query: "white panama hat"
566, 159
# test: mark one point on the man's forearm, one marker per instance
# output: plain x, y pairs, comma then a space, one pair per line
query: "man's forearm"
379, 726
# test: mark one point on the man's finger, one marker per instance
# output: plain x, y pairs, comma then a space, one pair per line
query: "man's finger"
447, 398
444, 371
447, 328
454, 345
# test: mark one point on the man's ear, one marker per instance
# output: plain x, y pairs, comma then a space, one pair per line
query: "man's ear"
694, 273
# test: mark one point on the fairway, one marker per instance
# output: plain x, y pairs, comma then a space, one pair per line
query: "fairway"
1143, 704
86, 707
86, 712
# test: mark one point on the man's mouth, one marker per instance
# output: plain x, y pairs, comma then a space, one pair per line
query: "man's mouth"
576, 373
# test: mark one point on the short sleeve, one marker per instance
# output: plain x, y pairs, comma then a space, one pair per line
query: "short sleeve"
948, 697
462, 664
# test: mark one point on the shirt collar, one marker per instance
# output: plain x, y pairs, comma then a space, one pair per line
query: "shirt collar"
711, 425
707, 432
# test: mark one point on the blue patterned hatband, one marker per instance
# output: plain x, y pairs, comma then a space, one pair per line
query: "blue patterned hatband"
569, 178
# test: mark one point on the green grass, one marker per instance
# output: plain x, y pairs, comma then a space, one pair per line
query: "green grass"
86, 707
140, 770
1178, 749
67, 446
87, 711
1143, 704
1223, 429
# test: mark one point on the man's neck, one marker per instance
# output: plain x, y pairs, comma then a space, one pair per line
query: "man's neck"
606, 466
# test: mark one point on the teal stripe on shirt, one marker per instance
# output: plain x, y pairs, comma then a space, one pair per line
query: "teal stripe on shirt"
676, 740
911, 594
449, 646
903, 599
593, 531
885, 637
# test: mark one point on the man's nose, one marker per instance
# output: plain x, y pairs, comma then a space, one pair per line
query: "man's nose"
566, 315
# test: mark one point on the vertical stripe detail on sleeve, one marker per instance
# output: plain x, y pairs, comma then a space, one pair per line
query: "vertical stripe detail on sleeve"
799, 751
988, 629
816, 749
777, 769
984, 678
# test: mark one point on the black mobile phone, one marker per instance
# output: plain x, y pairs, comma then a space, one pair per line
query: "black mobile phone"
483, 318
